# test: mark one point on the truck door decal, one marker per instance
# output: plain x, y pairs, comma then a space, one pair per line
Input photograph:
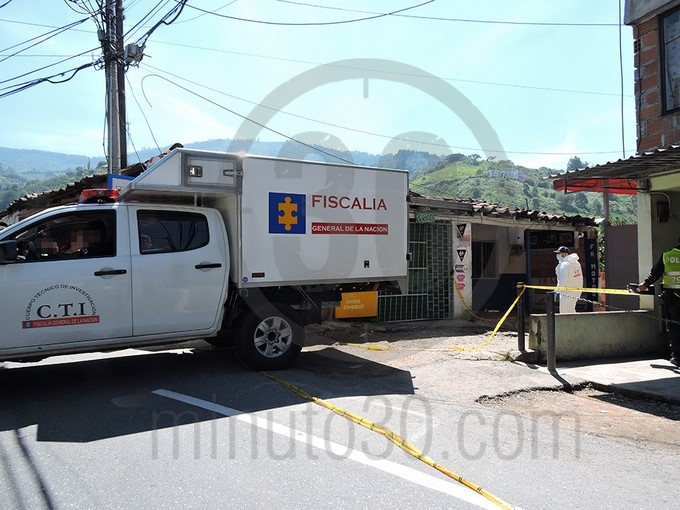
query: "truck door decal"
287, 213
60, 305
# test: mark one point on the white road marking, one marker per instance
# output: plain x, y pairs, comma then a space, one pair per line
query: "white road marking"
399, 470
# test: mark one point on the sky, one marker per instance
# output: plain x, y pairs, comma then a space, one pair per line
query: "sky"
531, 81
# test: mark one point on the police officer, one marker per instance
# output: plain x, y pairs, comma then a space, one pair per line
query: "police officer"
668, 266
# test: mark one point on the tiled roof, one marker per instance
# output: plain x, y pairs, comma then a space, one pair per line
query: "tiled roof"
490, 209
476, 207
470, 207
63, 195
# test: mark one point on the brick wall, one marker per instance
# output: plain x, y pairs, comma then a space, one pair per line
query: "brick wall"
655, 128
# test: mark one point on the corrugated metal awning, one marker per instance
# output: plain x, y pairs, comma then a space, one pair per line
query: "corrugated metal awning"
624, 175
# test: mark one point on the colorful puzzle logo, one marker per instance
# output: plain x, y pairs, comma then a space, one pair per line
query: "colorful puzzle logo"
287, 213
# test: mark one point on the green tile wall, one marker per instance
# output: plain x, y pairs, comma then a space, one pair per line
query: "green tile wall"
430, 286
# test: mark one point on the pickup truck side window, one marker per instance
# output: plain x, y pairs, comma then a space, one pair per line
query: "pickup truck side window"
171, 231
68, 236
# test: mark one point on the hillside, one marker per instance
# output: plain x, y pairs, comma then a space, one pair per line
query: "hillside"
455, 176
503, 182
35, 164
31, 171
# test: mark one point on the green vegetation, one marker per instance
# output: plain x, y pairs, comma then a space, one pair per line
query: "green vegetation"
502, 182
456, 176
14, 185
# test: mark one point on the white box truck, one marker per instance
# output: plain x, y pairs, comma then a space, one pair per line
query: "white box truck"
220, 246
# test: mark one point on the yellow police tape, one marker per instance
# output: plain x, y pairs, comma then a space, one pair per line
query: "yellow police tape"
523, 287
396, 439
468, 307
590, 290
377, 347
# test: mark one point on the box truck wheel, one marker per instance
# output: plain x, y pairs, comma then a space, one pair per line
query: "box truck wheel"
270, 337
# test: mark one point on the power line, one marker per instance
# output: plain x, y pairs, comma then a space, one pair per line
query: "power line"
156, 8
355, 130
460, 80
519, 23
244, 117
97, 62
450, 79
312, 23
207, 13
148, 125
50, 79
180, 4
85, 8
457, 20
16, 22
43, 38
173, 13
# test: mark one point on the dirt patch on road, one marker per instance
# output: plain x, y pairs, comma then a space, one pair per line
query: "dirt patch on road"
597, 412
452, 338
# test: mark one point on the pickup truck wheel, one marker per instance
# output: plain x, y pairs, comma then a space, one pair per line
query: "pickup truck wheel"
271, 339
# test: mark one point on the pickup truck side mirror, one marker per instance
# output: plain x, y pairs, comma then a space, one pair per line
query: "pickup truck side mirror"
8, 251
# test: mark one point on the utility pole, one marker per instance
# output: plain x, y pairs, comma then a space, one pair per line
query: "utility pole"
122, 115
115, 85
112, 55
117, 57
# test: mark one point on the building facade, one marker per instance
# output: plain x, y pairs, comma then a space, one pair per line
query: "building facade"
656, 33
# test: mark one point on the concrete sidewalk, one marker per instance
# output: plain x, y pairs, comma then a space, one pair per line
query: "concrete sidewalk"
656, 379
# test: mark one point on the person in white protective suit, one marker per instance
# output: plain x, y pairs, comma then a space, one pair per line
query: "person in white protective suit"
569, 274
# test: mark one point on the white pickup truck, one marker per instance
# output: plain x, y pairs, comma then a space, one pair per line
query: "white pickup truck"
225, 247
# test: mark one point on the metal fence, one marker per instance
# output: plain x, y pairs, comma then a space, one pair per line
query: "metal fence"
429, 294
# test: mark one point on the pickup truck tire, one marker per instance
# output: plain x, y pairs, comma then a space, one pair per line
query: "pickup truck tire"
269, 338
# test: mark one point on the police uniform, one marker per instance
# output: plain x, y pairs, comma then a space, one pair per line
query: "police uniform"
668, 268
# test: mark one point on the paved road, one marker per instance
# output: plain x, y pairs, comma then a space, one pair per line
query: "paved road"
191, 427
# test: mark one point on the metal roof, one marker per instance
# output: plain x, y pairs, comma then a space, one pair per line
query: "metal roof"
647, 164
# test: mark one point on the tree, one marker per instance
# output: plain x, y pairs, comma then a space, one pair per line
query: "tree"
581, 201
598, 209
575, 163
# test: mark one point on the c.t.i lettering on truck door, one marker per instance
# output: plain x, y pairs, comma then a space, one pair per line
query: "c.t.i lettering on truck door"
60, 305
287, 213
